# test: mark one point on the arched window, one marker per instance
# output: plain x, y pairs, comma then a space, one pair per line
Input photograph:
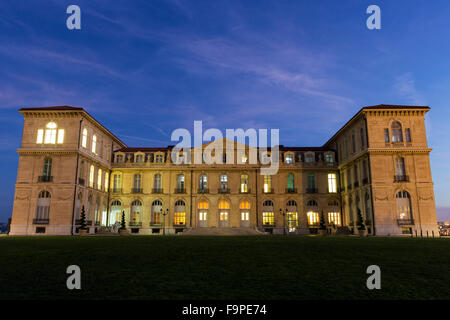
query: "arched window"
334, 216
136, 210
156, 212
292, 215
43, 208
312, 213
180, 213
203, 207
404, 205
396, 129
157, 184
268, 214
84, 138
223, 204
94, 144
244, 205
50, 133
224, 208
290, 183
203, 183
116, 212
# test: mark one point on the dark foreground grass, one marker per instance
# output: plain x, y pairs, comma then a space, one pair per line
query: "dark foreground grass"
256, 267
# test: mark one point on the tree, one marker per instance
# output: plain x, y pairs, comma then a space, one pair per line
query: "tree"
83, 222
122, 221
361, 225
322, 222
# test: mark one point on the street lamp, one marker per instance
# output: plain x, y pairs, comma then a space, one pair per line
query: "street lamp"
164, 219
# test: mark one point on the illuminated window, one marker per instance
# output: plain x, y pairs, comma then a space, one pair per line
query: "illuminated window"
334, 218
291, 215
84, 138
313, 217
223, 204
40, 136
268, 215
94, 144
268, 219
106, 181
244, 206
116, 213
289, 158
99, 179
91, 177
203, 207
60, 136
50, 133
156, 212
267, 183
404, 205
180, 213
136, 209
244, 158
332, 184
244, 183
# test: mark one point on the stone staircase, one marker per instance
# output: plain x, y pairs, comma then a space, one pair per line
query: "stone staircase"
222, 232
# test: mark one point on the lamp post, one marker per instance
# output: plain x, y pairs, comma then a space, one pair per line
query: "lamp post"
164, 219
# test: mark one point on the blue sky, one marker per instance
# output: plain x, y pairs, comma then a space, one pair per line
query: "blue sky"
145, 68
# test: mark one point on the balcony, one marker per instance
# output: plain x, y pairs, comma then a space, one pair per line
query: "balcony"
311, 190
291, 190
405, 222
223, 190
401, 178
177, 225
135, 224
41, 221
365, 181
203, 190
244, 191
157, 190
81, 181
267, 190
155, 224
45, 178
136, 190
269, 225
179, 190
116, 190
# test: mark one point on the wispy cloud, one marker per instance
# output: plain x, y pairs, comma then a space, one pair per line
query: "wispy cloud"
405, 87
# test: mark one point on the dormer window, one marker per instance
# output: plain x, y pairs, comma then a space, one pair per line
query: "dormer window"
159, 158
329, 158
309, 158
139, 158
289, 158
51, 135
119, 158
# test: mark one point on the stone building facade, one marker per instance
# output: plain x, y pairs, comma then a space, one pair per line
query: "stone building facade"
375, 167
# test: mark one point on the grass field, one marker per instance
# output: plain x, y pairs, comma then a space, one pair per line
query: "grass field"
254, 267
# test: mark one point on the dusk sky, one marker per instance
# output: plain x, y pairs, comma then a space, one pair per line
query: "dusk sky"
145, 68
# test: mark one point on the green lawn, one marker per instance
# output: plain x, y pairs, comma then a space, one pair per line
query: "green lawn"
254, 267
